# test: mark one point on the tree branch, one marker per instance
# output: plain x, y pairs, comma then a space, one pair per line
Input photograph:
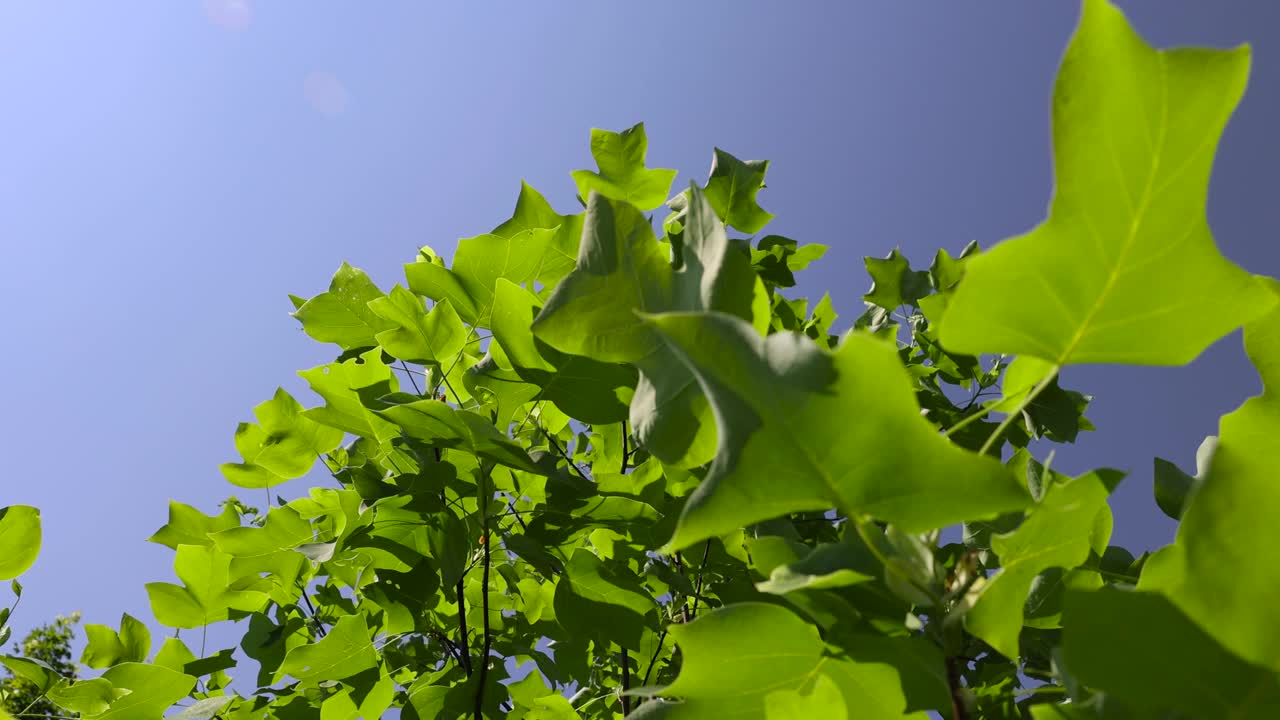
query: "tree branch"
465, 649
484, 597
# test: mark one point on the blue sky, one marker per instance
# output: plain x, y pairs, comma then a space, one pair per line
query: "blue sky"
170, 171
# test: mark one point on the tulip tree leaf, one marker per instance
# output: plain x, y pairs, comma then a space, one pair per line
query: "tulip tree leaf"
343, 652
204, 597
1056, 533
189, 526
1125, 269
90, 697
283, 445
428, 338
736, 657
106, 647
152, 690
342, 314
889, 463
594, 599
1139, 647
895, 283
477, 265
732, 190
1232, 516
623, 176
344, 387
19, 539
435, 422
621, 270
587, 389
533, 212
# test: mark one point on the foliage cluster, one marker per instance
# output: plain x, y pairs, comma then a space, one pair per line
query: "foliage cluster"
626, 465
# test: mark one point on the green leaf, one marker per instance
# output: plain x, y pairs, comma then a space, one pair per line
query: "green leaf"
343, 652
823, 700
732, 189
19, 539
1228, 534
421, 337
736, 657
621, 270
90, 697
623, 176
586, 389
534, 212
1173, 487
438, 424
478, 264
283, 445
886, 461
1056, 533
189, 526
600, 600
1125, 269
152, 691
284, 529
1139, 647
829, 565
895, 283
342, 314
204, 597
37, 671
345, 387
106, 647
204, 709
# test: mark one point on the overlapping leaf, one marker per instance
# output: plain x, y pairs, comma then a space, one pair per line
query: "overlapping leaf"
346, 387
283, 445
346, 650
1125, 269
1221, 570
204, 597
622, 269
429, 338
478, 263
739, 656
843, 429
342, 314
586, 389
1059, 532
1139, 647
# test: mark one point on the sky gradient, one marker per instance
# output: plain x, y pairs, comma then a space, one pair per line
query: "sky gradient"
171, 171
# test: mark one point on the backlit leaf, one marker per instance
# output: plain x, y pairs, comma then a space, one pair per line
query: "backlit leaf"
342, 314
19, 539
1124, 269
622, 175
889, 462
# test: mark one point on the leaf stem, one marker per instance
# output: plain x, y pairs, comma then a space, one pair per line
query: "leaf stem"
465, 651
1017, 411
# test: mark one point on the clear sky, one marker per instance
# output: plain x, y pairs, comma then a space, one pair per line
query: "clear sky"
171, 169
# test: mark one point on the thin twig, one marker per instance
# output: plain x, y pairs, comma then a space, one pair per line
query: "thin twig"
697, 591
626, 683
563, 454
625, 453
654, 658
959, 710
411, 380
